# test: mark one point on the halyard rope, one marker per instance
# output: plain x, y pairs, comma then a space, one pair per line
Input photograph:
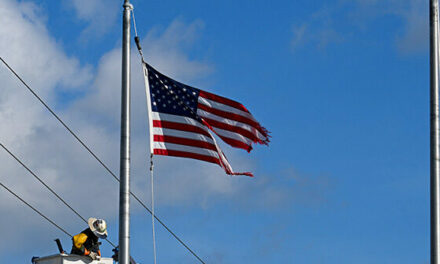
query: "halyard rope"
152, 206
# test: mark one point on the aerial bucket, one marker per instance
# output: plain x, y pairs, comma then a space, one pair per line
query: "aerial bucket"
70, 259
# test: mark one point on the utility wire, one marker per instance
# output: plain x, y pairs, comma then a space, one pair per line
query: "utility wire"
98, 159
35, 210
59, 119
42, 182
50, 189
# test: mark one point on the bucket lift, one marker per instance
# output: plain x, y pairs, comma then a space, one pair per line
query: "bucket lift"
70, 259
63, 258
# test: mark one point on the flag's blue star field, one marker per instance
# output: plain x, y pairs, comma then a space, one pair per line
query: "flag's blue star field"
171, 97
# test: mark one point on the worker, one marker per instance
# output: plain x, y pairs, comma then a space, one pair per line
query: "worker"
86, 243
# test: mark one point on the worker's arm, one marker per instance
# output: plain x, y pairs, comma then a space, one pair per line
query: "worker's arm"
78, 242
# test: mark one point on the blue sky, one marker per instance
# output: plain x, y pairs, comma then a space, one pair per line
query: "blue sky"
342, 85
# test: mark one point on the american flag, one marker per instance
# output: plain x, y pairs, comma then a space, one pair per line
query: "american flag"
183, 118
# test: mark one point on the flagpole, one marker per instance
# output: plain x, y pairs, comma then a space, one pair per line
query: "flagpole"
124, 187
435, 153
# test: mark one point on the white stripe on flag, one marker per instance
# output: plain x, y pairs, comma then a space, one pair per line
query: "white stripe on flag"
181, 134
178, 119
171, 146
232, 135
227, 121
223, 107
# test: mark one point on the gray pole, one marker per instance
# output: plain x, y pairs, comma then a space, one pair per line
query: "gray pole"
435, 153
124, 187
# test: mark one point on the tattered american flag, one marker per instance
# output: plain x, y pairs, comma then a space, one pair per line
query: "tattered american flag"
182, 119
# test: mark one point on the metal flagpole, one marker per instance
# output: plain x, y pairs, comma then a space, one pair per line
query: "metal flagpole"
124, 187
435, 153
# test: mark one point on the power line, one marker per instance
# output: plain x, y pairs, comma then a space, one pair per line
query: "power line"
42, 182
50, 189
97, 158
35, 210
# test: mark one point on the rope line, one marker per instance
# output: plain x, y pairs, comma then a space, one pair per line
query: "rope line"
134, 23
50, 189
168, 229
35, 210
152, 206
99, 160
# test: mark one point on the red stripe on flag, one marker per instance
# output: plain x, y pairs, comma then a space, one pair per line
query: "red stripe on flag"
238, 118
222, 100
235, 129
185, 141
180, 126
236, 143
184, 154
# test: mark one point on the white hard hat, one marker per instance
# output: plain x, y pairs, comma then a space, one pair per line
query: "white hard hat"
98, 227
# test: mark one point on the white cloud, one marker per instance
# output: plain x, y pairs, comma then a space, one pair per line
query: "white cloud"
99, 15
318, 30
415, 36
166, 50
299, 36
33, 135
